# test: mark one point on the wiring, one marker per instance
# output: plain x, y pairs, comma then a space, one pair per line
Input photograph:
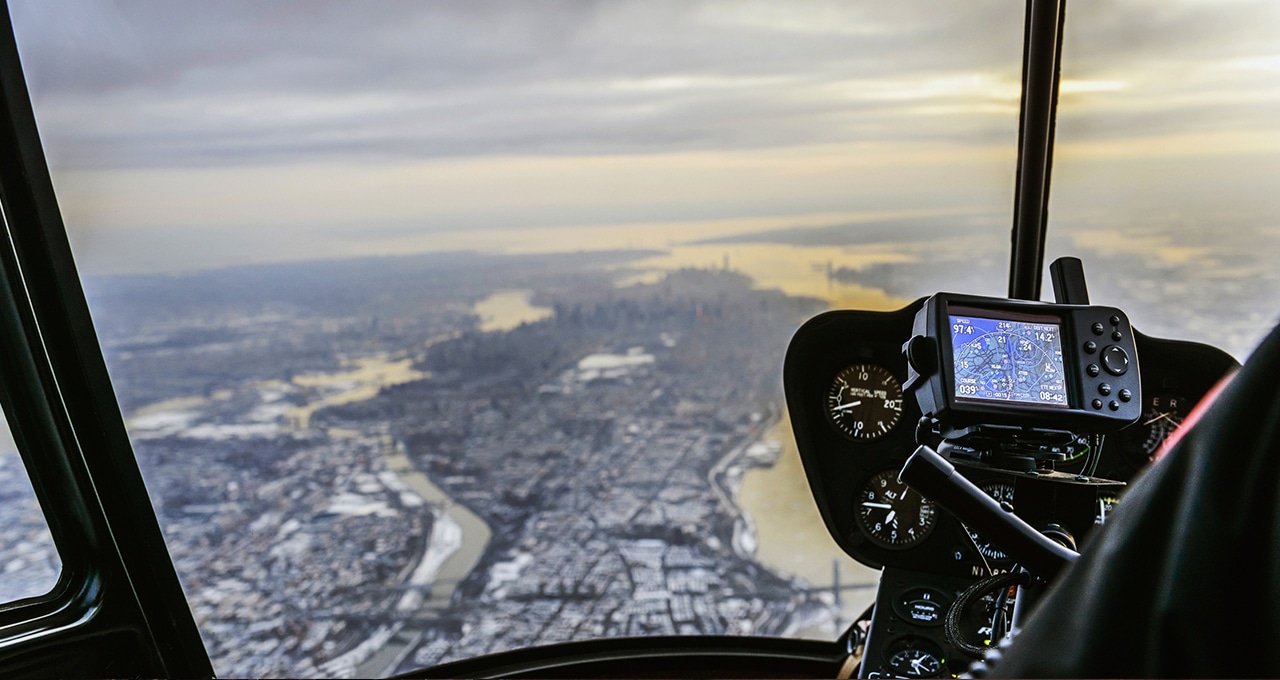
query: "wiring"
975, 592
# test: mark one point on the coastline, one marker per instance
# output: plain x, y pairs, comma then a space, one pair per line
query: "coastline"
792, 538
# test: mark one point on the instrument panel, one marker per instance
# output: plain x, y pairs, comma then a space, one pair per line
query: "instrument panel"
854, 428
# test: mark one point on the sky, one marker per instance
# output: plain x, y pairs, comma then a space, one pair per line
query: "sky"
278, 130
184, 136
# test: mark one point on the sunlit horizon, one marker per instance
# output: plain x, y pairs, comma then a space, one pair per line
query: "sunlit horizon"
272, 133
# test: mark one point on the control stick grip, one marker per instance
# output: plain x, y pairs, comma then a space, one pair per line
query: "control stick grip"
935, 478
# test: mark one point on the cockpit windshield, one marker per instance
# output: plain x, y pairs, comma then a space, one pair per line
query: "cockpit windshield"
1165, 159
449, 328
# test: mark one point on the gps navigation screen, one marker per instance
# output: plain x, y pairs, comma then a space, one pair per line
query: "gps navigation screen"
1004, 360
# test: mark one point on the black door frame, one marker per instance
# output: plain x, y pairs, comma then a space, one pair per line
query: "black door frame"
118, 608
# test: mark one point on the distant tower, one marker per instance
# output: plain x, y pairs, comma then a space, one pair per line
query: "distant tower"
835, 579
726, 261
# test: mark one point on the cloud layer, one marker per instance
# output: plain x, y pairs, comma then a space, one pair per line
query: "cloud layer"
199, 134
231, 83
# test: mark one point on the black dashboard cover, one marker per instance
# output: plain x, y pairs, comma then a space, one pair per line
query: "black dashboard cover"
1184, 579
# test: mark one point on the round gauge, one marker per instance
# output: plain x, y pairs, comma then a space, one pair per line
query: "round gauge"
864, 402
892, 514
914, 657
1002, 492
1107, 502
1162, 416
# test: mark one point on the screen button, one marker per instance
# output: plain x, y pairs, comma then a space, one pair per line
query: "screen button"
1115, 360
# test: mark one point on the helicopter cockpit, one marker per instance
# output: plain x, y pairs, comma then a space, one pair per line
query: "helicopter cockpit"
628, 339
1038, 405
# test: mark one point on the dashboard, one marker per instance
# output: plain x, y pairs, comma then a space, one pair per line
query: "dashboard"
855, 427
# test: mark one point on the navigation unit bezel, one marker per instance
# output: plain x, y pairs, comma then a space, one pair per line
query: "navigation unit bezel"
1102, 395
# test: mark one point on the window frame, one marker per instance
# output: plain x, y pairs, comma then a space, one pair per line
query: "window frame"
118, 607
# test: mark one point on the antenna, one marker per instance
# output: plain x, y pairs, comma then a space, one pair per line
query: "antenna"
1067, 274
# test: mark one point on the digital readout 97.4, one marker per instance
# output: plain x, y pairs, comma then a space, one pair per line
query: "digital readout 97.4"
1002, 360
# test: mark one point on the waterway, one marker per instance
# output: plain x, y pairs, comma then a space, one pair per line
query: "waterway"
361, 379
794, 270
506, 309
458, 536
458, 539
790, 535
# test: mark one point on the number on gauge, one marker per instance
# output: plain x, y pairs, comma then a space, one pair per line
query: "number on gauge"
864, 402
1107, 502
1163, 415
893, 515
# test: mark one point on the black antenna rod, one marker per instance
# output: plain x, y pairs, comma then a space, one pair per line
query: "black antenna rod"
1041, 63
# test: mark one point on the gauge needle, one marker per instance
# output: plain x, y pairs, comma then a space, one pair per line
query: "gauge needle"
917, 665
847, 406
1159, 416
882, 506
889, 518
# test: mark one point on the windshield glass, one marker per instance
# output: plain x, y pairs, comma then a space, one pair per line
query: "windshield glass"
445, 328
1168, 150
29, 561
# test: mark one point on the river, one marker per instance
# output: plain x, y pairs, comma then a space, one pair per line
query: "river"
458, 536
791, 537
794, 270
361, 379
506, 309
458, 539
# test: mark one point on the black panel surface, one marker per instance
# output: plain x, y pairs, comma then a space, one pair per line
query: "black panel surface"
1175, 375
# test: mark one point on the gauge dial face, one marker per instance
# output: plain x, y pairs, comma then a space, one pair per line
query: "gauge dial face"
914, 658
1002, 492
893, 515
864, 402
1162, 416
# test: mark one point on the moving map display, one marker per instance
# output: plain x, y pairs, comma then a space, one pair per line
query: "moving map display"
1009, 361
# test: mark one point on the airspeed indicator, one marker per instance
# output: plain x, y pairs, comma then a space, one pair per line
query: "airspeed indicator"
864, 402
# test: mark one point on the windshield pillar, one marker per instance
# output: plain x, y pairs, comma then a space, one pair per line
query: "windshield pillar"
1041, 60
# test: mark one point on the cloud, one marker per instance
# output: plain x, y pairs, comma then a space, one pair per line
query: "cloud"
1172, 68
142, 84
199, 134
